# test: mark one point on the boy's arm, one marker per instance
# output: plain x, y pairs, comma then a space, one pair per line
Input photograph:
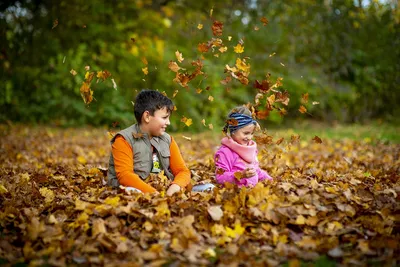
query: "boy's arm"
178, 166
123, 163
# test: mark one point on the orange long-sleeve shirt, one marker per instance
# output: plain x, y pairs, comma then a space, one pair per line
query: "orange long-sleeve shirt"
123, 162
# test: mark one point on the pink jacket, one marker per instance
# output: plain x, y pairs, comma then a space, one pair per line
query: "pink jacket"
232, 157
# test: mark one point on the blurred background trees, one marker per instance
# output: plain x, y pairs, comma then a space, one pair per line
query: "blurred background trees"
345, 54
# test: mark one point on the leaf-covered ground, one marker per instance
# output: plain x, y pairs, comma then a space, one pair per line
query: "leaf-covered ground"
331, 202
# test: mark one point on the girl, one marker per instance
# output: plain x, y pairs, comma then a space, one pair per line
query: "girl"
236, 160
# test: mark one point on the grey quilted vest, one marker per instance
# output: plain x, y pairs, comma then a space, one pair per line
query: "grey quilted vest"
142, 153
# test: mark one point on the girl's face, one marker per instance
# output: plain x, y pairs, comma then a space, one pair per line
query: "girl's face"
244, 135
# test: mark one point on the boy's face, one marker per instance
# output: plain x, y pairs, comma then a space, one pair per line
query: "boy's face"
244, 135
158, 123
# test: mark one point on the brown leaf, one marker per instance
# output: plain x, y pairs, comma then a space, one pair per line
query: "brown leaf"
316, 139
217, 28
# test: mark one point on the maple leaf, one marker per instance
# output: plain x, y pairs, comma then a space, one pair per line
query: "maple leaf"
282, 97
217, 28
263, 86
173, 66
89, 77
186, 121
232, 121
302, 109
179, 56
86, 93
223, 49
294, 138
238, 49
103, 75
304, 98
238, 175
227, 80
55, 24
262, 114
241, 65
316, 139
279, 141
264, 20
203, 47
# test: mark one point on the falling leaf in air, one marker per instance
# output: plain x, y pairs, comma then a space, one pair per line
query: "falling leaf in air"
264, 21
316, 139
302, 109
238, 49
217, 28
179, 56
55, 23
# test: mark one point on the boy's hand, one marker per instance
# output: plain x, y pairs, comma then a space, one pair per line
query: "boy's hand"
174, 188
248, 172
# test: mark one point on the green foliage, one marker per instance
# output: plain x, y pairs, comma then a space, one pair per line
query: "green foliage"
343, 55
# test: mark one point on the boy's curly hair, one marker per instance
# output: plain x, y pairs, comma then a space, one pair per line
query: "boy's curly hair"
150, 100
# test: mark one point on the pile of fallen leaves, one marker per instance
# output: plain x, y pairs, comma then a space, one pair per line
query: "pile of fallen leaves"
335, 201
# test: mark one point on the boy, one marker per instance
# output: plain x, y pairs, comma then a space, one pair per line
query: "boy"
145, 147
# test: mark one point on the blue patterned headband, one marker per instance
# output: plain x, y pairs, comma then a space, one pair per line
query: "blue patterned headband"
241, 119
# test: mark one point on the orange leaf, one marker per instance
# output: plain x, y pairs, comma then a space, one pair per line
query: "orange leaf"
264, 20
302, 109
217, 28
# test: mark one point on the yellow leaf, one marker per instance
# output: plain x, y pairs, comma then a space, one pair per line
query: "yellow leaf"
241, 65
163, 209
187, 121
200, 26
238, 49
203, 121
145, 71
210, 253
47, 194
81, 159
3, 189
179, 56
300, 220
211, 98
229, 38
113, 201
235, 232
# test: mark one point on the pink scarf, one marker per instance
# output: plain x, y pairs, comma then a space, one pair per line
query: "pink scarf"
248, 153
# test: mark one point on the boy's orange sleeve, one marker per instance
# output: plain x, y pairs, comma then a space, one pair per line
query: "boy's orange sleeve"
178, 166
123, 162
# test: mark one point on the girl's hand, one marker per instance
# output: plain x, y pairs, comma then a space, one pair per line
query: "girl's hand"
173, 188
249, 172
